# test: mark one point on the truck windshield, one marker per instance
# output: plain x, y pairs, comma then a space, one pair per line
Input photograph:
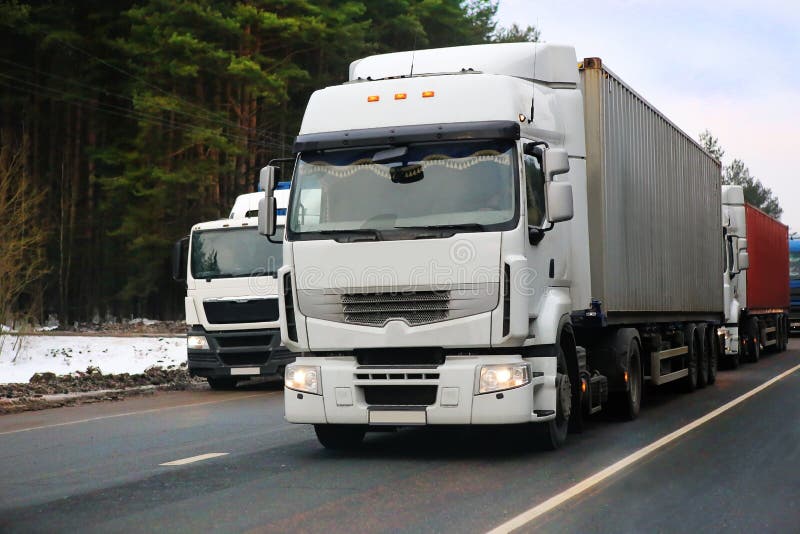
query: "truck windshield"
233, 253
378, 192
794, 265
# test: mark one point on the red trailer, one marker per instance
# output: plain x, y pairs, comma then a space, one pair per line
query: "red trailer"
767, 304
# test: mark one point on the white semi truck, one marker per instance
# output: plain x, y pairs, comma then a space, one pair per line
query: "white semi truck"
756, 279
231, 297
492, 234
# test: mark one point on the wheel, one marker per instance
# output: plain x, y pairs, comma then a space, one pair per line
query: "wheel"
340, 437
553, 434
222, 384
689, 382
713, 349
753, 341
780, 334
702, 357
626, 404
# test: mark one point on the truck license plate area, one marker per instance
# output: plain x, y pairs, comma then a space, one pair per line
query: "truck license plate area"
398, 417
245, 370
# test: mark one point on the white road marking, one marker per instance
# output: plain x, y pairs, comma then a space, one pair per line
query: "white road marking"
112, 416
529, 515
198, 458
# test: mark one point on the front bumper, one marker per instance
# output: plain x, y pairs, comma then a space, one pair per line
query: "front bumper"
443, 394
240, 353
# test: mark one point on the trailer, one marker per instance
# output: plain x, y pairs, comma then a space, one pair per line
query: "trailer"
493, 235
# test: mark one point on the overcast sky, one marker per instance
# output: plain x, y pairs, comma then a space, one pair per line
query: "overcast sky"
727, 65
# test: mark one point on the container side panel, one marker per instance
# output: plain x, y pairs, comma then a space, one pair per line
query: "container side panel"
768, 248
654, 206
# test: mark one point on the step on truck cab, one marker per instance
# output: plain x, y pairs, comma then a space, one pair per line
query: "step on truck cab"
755, 281
492, 235
231, 297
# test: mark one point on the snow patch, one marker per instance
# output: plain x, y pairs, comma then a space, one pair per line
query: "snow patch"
23, 356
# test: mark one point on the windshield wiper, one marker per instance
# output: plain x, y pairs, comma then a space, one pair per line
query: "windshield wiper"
355, 234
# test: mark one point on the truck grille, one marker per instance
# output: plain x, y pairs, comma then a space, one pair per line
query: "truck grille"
244, 311
414, 307
400, 395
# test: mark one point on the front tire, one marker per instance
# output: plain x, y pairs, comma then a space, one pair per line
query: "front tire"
553, 434
340, 437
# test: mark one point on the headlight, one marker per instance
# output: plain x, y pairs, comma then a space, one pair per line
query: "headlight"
197, 342
500, 377
303, 378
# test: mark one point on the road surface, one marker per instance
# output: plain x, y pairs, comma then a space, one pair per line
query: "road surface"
235, 465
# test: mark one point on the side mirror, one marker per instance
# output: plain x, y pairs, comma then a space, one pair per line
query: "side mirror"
558, 196
267, 215
268, 178
744, 260
180, 259
556, 161
742, 243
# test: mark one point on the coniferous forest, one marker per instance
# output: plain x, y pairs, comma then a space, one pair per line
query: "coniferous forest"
124, 122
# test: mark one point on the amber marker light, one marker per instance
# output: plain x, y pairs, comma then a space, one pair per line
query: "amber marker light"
428, 94
400, 96
373, 98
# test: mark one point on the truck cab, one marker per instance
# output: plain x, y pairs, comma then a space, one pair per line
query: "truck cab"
734, 282
231, 298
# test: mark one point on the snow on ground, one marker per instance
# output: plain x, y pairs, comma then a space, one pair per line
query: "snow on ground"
23, 356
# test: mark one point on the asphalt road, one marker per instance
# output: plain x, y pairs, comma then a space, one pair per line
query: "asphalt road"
97, 468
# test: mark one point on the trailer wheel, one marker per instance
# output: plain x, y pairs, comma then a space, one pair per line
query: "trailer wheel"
702, 357
222, 384
753, 341
340, 437
713, 348
553, 434
689, 382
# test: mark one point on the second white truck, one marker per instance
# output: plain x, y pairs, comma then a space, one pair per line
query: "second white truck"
231, 297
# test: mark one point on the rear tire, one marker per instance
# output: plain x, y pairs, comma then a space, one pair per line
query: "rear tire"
753, 341
222, 384
340, 437
626, 404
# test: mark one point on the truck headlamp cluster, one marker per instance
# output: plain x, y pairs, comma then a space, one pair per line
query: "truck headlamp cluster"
303, 378
197, 342
501, 377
